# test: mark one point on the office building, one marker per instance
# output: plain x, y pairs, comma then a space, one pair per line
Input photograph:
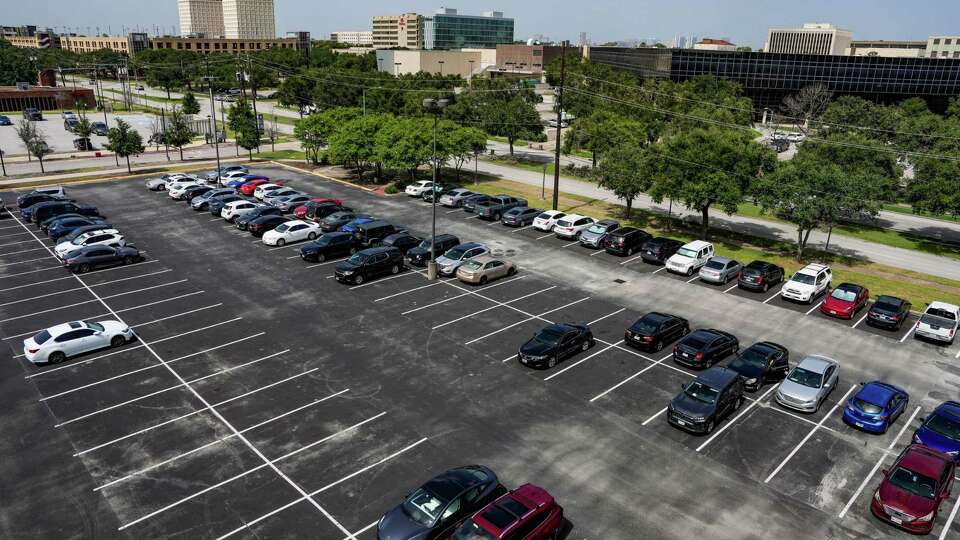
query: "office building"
298, 41
129, 45
447, 29
943, 47
201, 17
812, 38
465, 62
891, 49
28, 37
249, 19
398, 31
531, 59
354, 38
767, 78
45, 98
708, 44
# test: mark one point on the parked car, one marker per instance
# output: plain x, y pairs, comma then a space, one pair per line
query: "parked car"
484, 268
760, 276
572, 225
160, 183
57, 343
5, 120
70, 124
720, 270
176, 189
290, 232
99, 128
594, 235
690, 257
914, 488
288, 203
273, 196
248, 187
448, 263
420, 255
351, 226
454, 198
470, 203
554, 343
243, 222
438, 190
403, 241
201, 201
808, 283
369, 263
809, 383
233, 180
34, 197
83, 230
237, 209
940, 429
88, 258
655, 330
417, 188
372, 234
704, 348
875, 407
712, 396
82, 144
434, 509
211, 176
329, 246
494, 207
217, 203
761, 363
62, 227
103, 237
263, 224
888, 312
939, 323
336, 220
32, 114
527, 513
263, 189
548, 220
318, 208
625, 241
48, 209
845, 301
520, 216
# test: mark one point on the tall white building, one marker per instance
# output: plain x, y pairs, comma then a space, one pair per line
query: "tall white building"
812, 38
356, 38
201, 17
249, 19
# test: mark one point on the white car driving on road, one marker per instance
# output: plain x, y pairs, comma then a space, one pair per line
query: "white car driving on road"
57, 343
105, 237
289, 232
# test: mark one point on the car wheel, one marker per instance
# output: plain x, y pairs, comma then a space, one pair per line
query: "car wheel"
512, 271
83, 268
709, 428
353, 250
690, 271
281, 242
321, 257
659, 346
311, 236
161, 187
395, 269
629, 252
766, 287
738, 404
585, 346
117, 341
483, 280
552, 362
496, 217
358, 280
56, 357
128, 260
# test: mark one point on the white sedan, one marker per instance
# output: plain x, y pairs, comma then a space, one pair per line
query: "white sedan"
105, 237
56, 344
418, 188
235, 209
176, 189
263, 189
292, 231
547, 220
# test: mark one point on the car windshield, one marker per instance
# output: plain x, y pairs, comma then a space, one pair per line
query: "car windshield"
41, 338
701, 392
646, 325
914, 482
806, 279
867, 407
943, 425
715, 265
750, 357
455, 253
844, 295
282, 227
471, 531
95, 326
357, 259
887, 305
473, 265
423, 507
942, 313
548, 337
805, 377
79, 240
684, 252
597, 229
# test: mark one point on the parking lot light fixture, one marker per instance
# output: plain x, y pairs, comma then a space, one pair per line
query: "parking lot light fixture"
434, 107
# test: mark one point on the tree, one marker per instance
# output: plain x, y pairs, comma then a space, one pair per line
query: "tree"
407, 143
807, 104
26, 131
178, 133
602, 131
356, 142
855, 152
461, 144
625, 170
296, 92
190, 104
124, 141
516, 119
241, 120
314, 131
38, 147
500, 108
83, 129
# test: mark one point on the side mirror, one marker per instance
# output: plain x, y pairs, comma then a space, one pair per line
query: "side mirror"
885, 472
682, 387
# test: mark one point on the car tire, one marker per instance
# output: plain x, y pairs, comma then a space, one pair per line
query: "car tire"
128, 260
585, 346
161, 187
353, 250
690, 272
709, 428
659, 346
117, 341
512, 271
83, 268
496, 217
552, 361
738, 404
312, 236
281, 242
766, 287
358, 279
483, 280
56, 357
394, 270
321, 257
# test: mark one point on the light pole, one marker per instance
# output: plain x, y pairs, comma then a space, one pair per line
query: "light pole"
470, 78
434, 107
396, 69
441, 67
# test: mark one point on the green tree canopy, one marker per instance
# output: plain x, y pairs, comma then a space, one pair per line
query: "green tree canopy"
241, 120
124, 141
178, 132
190, 104
626, 169
314, 131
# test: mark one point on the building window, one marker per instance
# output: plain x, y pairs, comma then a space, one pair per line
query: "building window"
936, 41
179, 45
243, 46
956, 54
944, 54
948, 41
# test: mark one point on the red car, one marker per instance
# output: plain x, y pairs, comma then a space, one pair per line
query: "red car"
845, 301
300, 212
248, 187
526, 513
913, 489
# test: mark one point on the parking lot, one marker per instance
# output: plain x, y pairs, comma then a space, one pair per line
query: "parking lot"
264, 399
61, 140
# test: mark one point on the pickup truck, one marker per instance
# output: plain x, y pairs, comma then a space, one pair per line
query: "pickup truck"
497, 206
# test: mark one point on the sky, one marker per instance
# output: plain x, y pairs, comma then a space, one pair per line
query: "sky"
745, 22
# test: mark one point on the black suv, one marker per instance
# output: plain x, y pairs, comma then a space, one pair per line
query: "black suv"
761, 363
30, 199
705, 348
554, 343
711, 397
329, 246
265, 223
372, 234
888, 312
318, 211
658, 250
244, 221
760, 276
369, 263
625, 241
420, 255
49, 209
654, 330
403, 241
31, 113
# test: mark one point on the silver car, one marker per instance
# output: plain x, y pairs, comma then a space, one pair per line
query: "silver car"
160, 184
809, 384
274, 195
455, 197
720, 270
593, 236
454, 257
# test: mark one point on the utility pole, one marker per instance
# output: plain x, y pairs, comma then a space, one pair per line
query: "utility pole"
96, 84
3, 165
213, 114
556, 158
253, 95
163, 130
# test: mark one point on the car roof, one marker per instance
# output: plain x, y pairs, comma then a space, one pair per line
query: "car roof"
560, 327
813, 268
697, 245
706, 333
607, 222
573, 217
877, 392
484, 259
887, 299
61, 328
381, 249
723, 260
850, 287
942, 305
767, 345
925, 461
949, 407
718, 376
817, 364
374, 223
759, 265
553, 212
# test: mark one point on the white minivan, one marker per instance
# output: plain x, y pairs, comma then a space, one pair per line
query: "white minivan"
690, 257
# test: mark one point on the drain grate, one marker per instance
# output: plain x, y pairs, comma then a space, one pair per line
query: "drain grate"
620, 281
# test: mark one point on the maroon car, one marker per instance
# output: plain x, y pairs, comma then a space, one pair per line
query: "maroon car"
913, 489
526, 513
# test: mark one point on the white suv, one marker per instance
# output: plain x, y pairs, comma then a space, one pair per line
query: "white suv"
690, 257
571, 225
808, 283
939, 322
546, 220
235, 209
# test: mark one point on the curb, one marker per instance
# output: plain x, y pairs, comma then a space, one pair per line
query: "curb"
325, 177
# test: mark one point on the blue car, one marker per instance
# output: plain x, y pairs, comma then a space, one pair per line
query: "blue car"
875, 407
351, 227
63, 227
5, 121
941, 429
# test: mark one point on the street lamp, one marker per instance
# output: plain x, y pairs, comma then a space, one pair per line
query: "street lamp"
396, 69
441, 67
470, 78
434, 107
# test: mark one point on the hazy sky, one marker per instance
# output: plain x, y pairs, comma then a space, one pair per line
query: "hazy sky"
744, 21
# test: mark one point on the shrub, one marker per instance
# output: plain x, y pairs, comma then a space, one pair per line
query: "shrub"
391, 189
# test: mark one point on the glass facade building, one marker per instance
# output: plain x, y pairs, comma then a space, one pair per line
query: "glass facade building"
452, 31
769, 77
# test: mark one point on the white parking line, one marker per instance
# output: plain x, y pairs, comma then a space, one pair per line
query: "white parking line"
735, 285
621, 310
324, 488
36, 283
445, 300
363, 530
520, 229
26, 261
29, 240
247, 472
656, 414
544, 236
297, 256
811, 310
733, 420
81, 288
327, 262
772, 296
949, 523
458, 319
288, 244
628, 379
211, 306
628, 261
381, 280
89, 301
216, 219
582, 360
856, 324
575, 242
694, 278
454, 210
421, 287
528, 319
658, 270
169, 388
911, 331
838, 404
47, 269
873, 471
192, 413
598, 252
21, 251
492, 223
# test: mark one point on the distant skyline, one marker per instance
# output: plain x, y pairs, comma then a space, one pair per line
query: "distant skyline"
745, 22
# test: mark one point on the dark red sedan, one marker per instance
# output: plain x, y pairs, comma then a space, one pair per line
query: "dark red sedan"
845, 301
912, 490
526, 513
247, 187
301, 211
